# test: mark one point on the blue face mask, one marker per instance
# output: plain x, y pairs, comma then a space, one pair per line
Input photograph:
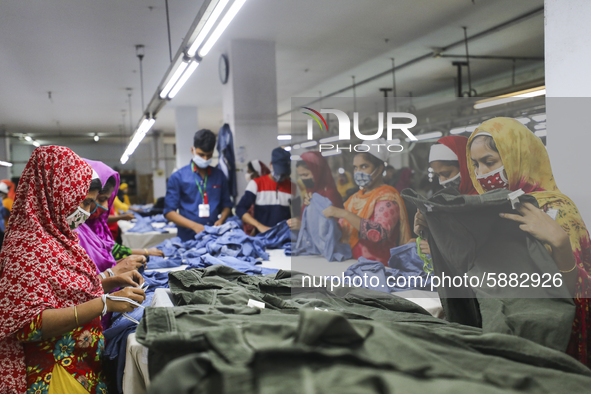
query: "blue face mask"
201, 162
362, 179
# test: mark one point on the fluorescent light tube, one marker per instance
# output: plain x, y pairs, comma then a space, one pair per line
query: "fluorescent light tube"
309, 144
213, 17
138, 136
540, 133
296, 146
295, 157
328, 140
539, 117
28, 139
523, 120
5, 164
287, 148
457, 130
37, 145
173, 80
508, 98
540, 126
284, 137
221, 27
471, 128
187, 74
427, 136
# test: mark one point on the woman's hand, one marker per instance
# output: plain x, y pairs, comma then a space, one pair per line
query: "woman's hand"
155, 252
420, 223
539, 224
129, 263
333, 212
127, 216
262, 228
133, 293
307, 198
130, 278
294, 223
424, 246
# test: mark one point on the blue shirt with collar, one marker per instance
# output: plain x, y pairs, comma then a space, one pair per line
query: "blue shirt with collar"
182, 194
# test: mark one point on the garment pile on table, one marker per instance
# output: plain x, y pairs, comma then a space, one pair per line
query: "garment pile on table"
116, 335
352, 340
404, 272
157, 223
226, 244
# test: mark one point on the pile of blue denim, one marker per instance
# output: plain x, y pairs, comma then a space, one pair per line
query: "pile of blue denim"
226, 244
145, 224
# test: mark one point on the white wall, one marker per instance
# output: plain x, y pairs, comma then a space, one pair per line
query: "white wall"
568, 85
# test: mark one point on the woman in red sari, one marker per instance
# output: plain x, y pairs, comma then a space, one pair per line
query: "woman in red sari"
315, 174
51, 299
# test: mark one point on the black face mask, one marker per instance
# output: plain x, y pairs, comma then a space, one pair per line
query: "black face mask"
309, 183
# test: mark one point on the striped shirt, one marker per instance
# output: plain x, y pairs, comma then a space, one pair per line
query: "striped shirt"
272, 201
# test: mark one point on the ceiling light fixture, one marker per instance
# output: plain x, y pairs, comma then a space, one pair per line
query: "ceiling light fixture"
328, 140
190, 69
457, 130
36, 144
331, 153
5, 164
427, 136
137, 137
176, 75
213, 17
539, 117
28, 139
508, 98
221, 27
284, 137
96, 137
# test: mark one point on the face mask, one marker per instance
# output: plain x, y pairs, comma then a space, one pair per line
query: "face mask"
99, 211
452, 182
76, 219
309, 183
362, 179
201, 162
493, 180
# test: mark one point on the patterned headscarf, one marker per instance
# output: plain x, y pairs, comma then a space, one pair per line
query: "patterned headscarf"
42, 265
528, 168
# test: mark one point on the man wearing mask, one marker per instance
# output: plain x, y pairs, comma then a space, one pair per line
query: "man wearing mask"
270, 194
198, 191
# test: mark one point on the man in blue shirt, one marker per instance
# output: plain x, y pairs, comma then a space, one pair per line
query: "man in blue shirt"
198, 191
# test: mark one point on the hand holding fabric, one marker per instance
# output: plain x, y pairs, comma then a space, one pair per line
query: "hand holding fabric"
129, 263
133, 293
155, 252
540, 225
294, 223
420, 223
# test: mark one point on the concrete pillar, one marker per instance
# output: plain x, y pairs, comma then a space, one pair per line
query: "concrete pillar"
159, 165
568, 87
186, 126
250, 102
5, 172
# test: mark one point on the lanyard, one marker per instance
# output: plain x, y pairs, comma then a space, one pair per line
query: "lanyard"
203, 194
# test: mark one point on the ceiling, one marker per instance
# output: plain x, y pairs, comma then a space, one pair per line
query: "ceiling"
83, 52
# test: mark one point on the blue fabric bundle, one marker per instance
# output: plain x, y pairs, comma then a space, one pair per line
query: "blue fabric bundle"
278, 237
405, 270
144, 224
116, 335
320, 235
207, 260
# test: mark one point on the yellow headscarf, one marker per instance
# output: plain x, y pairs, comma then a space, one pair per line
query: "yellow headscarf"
528, 168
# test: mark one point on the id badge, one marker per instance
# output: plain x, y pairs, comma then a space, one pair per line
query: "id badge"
203, 210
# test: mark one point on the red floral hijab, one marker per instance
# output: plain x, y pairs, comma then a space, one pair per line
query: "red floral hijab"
42, 265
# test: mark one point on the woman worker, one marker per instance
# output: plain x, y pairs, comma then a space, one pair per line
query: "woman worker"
51, 299
374, 219
315, 174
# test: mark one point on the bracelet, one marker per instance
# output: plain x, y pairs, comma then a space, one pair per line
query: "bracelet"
102, 275
76, 316
570, 270
147, 253
104, 298
110, 271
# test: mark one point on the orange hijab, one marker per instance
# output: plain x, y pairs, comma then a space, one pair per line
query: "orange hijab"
363, 204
